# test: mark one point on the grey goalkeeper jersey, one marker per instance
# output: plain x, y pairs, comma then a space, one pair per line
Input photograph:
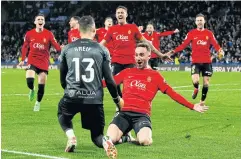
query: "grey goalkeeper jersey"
83, 64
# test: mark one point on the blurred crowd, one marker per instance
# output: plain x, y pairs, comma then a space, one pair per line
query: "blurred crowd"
223, 18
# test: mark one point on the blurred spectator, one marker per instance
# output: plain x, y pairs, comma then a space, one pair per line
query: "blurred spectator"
224, 19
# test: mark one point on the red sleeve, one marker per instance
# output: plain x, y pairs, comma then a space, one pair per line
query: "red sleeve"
69, 38
25, 46
184, 44
108, 35
54, 42
118, 78
165, 88
166, 33
214, 42
138, 34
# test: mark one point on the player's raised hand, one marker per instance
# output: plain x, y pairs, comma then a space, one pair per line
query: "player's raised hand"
140, 28
169, 53
200, 108
176, 31
166, 57
21, 63
220, 54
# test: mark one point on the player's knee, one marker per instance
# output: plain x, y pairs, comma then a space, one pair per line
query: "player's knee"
42, 78
145, 141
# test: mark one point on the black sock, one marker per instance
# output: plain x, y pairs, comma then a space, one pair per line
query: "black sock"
196, 85
119, 91
30, 82
96, 137
40, 92
204, 92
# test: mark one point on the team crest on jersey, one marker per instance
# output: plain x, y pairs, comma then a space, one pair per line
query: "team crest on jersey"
44, 40
207, 37
129, 32
148, 79
152, 39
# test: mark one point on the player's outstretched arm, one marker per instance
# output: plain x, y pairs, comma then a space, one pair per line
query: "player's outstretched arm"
63, 68
153, 49
181, 47
200, 108
110, 83
181, 100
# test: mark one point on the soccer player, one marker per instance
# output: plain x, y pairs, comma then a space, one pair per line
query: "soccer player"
38, 41
100, 33
154, 37
74, 32
124, 37
201, 39
83, 64
140, 85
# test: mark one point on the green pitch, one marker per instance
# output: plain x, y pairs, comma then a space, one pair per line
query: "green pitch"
178, 133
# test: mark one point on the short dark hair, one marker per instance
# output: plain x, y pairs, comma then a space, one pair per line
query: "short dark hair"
86, 23
200, 15
39, 14
76, 18
122, 7
145, 45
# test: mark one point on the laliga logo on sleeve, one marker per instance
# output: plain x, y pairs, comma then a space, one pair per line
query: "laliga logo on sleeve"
138, 84
121, 37
201, 42
39, 46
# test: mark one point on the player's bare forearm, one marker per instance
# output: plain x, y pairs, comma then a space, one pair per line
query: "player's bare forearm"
153, 49
178, 98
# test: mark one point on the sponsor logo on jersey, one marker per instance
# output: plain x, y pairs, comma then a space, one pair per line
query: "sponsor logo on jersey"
201, 42
206, 37
121, 37
138, 84
84, 93
39, 46
74, 39
129, 32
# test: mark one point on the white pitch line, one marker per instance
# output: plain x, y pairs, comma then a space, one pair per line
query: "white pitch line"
57, 94
32, 154
210, 85
211, 90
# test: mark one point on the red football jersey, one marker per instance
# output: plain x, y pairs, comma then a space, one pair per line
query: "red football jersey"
73, 35
100, 34
39, 44
201, 41
154, 39
124, 42
140, 87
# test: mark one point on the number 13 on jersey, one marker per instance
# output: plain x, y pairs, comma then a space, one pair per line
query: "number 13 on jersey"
89, 69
